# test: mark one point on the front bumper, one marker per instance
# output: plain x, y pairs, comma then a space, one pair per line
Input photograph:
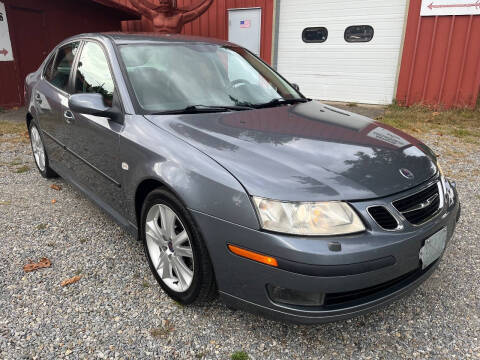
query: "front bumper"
371, 270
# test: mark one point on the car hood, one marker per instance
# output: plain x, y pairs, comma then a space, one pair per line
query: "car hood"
306, 152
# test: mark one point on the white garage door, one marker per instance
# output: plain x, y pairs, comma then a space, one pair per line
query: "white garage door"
363, 72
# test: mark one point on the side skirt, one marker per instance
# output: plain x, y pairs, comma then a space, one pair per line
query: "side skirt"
115, 215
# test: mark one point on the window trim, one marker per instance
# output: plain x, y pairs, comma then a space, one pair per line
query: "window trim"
361, 41
314, 41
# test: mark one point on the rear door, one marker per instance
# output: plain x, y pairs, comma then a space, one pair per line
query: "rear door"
51, 101
93, 141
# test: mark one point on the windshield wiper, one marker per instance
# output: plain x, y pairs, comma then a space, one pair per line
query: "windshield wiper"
196, 109
281, 101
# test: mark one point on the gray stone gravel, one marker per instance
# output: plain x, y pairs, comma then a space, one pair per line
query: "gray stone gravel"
117, 310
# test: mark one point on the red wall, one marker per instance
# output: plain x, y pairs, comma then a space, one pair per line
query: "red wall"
214, 23
441, 60
36, 27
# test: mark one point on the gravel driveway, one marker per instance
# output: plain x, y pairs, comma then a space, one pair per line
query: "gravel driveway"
116, 309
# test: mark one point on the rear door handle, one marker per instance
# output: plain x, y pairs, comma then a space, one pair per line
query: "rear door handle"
68, 115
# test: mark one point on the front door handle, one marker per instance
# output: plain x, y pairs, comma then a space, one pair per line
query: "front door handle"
68, 115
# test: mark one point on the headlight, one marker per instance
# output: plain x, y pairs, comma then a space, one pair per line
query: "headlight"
308, 218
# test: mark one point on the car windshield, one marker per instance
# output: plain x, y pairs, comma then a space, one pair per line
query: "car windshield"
174, 76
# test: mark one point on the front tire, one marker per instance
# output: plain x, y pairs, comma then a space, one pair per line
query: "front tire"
39, 153
175, 250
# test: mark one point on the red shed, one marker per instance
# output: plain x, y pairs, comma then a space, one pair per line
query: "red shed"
35, 27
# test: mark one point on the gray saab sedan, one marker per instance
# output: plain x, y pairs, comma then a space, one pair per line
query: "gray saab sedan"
235, 182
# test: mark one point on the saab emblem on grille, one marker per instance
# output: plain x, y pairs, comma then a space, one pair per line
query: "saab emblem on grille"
406, 173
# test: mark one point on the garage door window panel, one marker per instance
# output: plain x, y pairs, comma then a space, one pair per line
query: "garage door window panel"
358, 33
315, 34
63, 65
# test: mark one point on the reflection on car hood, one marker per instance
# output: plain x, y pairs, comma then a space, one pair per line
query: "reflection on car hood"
306, 152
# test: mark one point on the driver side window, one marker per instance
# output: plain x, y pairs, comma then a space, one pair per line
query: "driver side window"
93, 73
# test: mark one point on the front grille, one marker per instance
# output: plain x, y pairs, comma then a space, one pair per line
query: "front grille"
420, 207
383, 217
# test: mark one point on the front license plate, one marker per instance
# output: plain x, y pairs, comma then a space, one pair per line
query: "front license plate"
433, 247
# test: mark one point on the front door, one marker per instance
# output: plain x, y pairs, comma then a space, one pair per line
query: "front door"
244, 28
93, 141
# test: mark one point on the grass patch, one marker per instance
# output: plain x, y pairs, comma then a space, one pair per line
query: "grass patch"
352, 104
22, 169
145, 284
461, 123
12, 127
15, 131
240, 355
16, 162
162, 331
42, 226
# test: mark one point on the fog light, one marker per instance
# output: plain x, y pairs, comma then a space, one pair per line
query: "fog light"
294, 297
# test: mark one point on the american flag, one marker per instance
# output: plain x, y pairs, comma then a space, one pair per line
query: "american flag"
244, 24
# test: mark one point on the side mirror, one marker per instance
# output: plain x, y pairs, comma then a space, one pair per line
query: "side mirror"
296, 87
91, 104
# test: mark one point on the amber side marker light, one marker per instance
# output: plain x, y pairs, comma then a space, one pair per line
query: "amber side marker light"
253, 255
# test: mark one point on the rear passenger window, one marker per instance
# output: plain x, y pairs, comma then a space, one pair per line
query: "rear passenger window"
60, 73
358, 33
314, 34
47, 71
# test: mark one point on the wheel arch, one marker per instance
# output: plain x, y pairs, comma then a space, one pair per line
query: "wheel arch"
145, 187
28, 119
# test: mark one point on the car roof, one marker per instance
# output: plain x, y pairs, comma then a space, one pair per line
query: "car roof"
122, 38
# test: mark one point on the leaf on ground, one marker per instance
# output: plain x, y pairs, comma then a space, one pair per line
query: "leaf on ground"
56, 187
43, 263
435, 113
54, 201
71, 280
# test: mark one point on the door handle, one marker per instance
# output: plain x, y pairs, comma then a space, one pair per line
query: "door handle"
68, 115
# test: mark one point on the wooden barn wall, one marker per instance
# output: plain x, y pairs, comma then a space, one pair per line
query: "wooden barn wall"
55, 20
441, 60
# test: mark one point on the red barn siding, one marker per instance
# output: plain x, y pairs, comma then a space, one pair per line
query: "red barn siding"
38, 26
214, 23
441, 60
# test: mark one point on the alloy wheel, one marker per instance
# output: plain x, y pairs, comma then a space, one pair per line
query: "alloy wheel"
38, 148
169, 247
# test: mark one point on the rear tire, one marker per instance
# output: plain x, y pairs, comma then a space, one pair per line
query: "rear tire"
175, 251
39, 153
